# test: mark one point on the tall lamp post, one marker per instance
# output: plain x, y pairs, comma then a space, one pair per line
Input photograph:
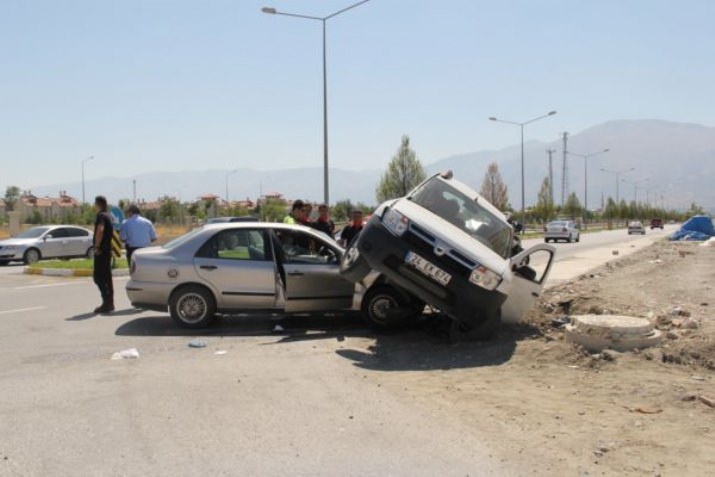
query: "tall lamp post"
618, 180
585, 180
521, 125
83, 162
635, 187
228, 174
273, 11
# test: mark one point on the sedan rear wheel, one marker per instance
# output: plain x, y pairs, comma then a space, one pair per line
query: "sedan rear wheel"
31, 256
192, 306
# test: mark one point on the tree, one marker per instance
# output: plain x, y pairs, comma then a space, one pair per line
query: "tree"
12, 195
544, 204
341, 210
169, 210
694, 209
572, 207
273, 210
611, 210
493, 188
403, 173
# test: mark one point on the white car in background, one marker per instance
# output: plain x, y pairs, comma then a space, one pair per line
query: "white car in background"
51, 241
562, 230
636, 227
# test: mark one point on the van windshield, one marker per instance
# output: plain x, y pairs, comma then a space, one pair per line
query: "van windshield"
442, 199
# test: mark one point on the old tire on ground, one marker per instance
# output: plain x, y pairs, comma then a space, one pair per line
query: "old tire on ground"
192, 306
32, 255
384, 308
353, 266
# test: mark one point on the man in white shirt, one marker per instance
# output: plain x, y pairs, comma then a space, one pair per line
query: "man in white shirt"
136, 232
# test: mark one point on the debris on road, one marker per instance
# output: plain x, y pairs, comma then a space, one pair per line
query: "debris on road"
197, 344
131, 353
220, 352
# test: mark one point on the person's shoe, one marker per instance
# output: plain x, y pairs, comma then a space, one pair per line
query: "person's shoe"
104, 309
99, 309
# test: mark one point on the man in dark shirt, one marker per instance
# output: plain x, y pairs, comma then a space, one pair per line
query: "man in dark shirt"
103, 232
353, 229
324, 224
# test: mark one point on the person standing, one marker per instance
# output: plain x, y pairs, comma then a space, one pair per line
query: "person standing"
136, 232
353, 229
103, 232
297, 213
324, 224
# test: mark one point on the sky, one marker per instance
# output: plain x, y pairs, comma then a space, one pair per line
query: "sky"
154, 85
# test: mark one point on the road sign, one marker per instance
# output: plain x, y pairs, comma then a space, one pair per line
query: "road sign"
117, 217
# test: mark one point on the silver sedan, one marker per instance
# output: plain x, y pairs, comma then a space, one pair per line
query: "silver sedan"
258, 267
52, 241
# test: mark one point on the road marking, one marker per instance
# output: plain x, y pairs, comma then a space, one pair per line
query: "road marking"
20, 310
46, 285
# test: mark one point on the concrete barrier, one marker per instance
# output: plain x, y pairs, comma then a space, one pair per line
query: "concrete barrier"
69, 272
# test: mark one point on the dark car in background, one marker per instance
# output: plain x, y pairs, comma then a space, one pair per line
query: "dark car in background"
656, 224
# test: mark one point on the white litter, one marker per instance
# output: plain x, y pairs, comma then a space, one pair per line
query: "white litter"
220, 352
709, 242
278, 329
131, 353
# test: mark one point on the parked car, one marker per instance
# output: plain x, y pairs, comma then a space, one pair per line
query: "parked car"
562, 230
52, 241
252, 266
447, 245
636, 227
656, 224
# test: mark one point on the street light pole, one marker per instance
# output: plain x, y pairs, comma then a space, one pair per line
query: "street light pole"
228, 174
585, 180
618, 179
83, 162
273, 11
635, 187
521, 125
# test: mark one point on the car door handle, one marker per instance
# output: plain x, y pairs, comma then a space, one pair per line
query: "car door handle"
208, 267
296, 274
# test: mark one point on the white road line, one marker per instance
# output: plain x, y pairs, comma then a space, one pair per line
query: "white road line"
20, 310
46, 285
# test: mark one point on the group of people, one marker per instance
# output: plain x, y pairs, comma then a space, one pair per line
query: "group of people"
300, 214
136, 232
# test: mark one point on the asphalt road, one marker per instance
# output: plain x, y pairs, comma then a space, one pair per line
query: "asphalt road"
289, 404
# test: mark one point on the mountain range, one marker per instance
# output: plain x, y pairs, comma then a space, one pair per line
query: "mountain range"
673, 164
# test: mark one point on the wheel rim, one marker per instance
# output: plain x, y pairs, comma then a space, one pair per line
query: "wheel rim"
32, 256
380, 307
351, 256
191, 307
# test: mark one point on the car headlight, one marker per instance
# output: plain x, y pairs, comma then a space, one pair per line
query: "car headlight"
395, 222
485, 278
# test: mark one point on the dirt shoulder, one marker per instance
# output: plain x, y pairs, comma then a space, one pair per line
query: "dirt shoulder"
568, 412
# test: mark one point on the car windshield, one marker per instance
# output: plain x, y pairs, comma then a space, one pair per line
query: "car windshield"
34, 232
182, 239
442, 199
557, 224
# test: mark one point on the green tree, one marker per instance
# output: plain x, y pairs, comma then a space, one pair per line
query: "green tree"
340, 212
12, 195
403, 173
493, 188
572, 207
694, 209
611, 210
169, 210
544, 205
273, 210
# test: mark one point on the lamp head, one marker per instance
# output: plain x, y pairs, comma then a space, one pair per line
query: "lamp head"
269, 10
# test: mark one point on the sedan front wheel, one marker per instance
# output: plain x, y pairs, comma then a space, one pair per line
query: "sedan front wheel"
192, 306
31, 256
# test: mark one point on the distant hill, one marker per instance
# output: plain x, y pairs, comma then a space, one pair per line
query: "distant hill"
677, 158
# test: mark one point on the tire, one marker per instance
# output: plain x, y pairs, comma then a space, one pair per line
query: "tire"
353, 266
546, 240
570, 239
32, 255
578, 238
192, 306
380, 300
90, 253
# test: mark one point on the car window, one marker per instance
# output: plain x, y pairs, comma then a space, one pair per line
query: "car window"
236, 244
440, 198
58, 233
535, 267
75, 232
300, 247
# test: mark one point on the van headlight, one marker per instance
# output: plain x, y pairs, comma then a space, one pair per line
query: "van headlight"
485, 278
395, 222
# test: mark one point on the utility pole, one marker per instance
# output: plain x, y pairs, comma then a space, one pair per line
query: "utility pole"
550, 152
134, 191
565, 171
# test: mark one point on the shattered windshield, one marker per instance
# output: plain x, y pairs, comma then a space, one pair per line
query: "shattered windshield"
440, 198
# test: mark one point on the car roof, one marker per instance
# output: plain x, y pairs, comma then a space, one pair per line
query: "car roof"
266, 225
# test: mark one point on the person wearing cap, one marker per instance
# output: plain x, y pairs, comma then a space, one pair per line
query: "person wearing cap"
102, 273
353, 229
136, 232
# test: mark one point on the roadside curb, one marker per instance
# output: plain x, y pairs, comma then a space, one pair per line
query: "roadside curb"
69, 272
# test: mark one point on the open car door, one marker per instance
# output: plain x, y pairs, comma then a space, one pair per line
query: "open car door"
530, 269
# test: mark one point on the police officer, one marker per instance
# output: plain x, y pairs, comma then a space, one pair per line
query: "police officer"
103, 232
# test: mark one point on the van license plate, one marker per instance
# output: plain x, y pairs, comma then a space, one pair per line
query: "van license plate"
428, 268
